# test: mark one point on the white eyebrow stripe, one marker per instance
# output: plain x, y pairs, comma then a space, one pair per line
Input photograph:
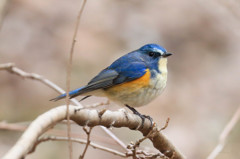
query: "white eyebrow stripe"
158, 50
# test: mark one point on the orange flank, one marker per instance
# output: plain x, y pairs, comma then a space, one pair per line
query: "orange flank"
132, 86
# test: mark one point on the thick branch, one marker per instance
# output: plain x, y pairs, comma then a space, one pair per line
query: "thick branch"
91, 118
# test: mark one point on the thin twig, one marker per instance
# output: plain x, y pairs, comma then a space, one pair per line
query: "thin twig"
224, 135
14, 127
114, 137
153, 131
145, 137
100, 147
17, 71
81, 141
88, 132
22, 126
166, 124
3, 9
10, 67
137, 143
69, 68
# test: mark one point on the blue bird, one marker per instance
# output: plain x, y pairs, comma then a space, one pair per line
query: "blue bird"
133, 80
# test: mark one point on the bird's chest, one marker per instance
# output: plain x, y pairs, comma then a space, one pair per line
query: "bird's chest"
142, 91
156, 85
155, 88
137, 95
146, 94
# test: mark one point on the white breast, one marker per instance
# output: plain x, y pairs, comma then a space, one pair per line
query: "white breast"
157, 85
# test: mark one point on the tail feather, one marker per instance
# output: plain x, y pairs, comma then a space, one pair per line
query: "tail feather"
72, 94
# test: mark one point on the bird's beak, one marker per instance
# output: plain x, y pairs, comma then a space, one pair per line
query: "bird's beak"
167, 54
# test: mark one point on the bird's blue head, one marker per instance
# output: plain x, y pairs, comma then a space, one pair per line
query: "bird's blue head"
154, 50
155, 57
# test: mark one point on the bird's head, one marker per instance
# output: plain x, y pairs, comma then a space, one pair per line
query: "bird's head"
155, 56
154, 51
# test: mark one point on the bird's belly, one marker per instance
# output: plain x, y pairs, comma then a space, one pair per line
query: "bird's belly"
136, 95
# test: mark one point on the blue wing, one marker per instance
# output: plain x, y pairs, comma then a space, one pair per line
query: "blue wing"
124, 69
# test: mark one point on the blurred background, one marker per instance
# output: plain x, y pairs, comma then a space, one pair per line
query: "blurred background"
203, 87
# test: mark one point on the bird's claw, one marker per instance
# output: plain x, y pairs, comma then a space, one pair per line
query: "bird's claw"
141, 116
150, 119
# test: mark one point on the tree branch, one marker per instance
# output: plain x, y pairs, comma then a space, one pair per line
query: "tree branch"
224, 135
88, 141
68, 78
3, 8
14, 70
133, 147
10, 67
81, 141
91, 118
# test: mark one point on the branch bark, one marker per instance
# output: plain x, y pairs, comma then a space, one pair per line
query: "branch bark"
91, 118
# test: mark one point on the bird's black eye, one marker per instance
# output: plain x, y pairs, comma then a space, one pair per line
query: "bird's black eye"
151, 54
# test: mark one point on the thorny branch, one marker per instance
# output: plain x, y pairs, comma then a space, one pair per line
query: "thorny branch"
10, 67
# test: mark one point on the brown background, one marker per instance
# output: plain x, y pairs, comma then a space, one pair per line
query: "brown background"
203, 88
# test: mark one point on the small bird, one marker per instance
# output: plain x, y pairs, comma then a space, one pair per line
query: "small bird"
133, 80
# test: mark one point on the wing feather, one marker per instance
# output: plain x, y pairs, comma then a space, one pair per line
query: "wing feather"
119, 72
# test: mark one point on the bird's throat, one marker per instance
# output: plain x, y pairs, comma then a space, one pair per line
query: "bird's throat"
162, 65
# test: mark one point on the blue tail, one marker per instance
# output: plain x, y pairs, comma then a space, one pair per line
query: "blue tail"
72, 94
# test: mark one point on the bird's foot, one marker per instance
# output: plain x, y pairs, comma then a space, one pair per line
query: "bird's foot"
141, 116
149, 118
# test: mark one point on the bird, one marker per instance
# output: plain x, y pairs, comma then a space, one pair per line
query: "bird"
133, 80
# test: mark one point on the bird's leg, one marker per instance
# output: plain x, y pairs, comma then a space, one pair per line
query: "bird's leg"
140, 115
137, 113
